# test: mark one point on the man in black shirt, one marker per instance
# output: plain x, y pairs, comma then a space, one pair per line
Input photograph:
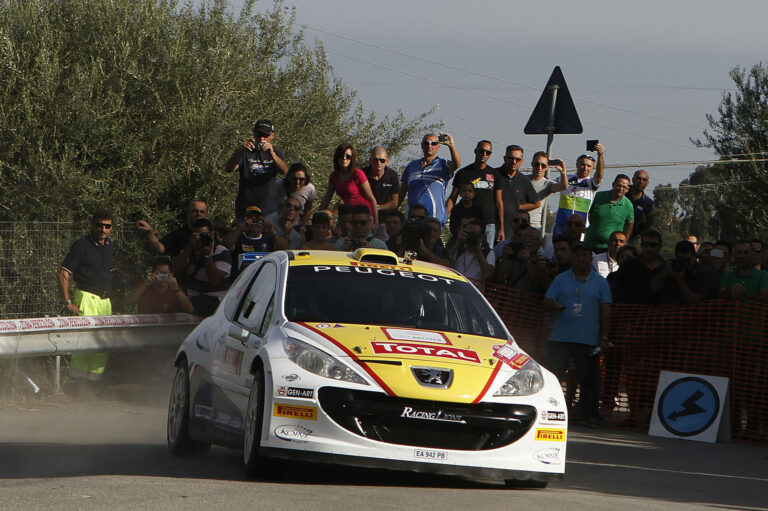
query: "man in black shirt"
89, 263
258, 163
487, 192
174, 242
517, 192
384, 181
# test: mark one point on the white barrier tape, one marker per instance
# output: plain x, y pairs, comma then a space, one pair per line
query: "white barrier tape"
12, 327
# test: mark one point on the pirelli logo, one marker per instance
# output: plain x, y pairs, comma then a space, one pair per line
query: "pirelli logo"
295, 412
550, 435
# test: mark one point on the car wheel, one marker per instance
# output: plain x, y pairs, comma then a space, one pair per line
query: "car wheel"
526, 484
255, 465
179, 441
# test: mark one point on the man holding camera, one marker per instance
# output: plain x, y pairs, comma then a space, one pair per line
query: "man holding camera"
469, 250
577, 197
174, 242
683, 281
360, 235
424, 180
160, 292
520, 264
543, 185
517, 192
207, 266
258, 163
487, 194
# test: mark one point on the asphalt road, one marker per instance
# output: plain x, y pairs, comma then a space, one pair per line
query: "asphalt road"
111, 454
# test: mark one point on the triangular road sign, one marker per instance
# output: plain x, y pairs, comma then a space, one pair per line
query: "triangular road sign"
566, 119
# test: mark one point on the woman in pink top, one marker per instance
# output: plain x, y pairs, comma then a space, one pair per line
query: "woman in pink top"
349, 182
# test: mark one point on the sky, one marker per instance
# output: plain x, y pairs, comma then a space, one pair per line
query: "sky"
643, 75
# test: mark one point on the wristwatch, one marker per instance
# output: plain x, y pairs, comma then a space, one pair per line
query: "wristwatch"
67, 302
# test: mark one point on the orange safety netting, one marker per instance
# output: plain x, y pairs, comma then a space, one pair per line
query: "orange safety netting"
717, 338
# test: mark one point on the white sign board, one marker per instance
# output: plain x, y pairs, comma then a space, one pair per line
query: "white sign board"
690, 406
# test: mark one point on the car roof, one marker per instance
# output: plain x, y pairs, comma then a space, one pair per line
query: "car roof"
369, 258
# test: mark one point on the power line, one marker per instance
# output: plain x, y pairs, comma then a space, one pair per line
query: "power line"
522, 85
496, 98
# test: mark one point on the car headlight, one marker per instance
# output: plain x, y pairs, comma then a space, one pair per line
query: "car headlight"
318, 362
526, 381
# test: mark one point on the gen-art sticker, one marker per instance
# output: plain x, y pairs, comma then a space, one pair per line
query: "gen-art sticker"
293, 432
550, 416
401, 348
295, 392
549, 456
295, 412
430, 455
401, 334
550, 435
510, 355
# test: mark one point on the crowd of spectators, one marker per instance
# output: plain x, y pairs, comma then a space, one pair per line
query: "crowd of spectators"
603, 246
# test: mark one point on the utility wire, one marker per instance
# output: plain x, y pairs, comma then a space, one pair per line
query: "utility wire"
470, 91
490, 77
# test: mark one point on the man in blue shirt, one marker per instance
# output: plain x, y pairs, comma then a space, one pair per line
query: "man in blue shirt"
424, 180
581, 299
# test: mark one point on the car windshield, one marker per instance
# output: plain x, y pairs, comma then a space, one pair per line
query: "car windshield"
387, 296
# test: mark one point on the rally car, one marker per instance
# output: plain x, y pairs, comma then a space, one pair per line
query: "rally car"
370, 360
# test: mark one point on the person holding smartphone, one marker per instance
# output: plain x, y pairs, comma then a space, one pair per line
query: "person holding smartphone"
543, 185
577, 197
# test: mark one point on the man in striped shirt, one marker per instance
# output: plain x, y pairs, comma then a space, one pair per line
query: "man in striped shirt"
577, 197
424, 179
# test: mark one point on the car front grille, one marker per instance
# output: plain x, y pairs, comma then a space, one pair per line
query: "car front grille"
432, 424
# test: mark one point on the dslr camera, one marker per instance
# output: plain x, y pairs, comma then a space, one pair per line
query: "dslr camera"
206, 239
473, 239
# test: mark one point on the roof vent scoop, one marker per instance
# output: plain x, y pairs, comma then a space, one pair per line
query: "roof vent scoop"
373, 255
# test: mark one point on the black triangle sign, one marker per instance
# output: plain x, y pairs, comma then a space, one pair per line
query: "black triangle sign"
566, 119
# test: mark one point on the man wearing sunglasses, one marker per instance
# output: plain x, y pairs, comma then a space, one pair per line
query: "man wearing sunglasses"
642, 204
517, 192
633, 279
485, 180
543, 185
286, 236
258, 163
577, 197
360, 235
384, 181
89, 264
423, 180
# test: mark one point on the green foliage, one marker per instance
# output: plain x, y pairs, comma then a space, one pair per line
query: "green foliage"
137, 104
736, 202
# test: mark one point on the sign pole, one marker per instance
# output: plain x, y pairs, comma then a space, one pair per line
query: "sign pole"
550, 140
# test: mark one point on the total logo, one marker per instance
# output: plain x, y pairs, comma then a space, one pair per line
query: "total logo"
402, 348
550, 435
293, 432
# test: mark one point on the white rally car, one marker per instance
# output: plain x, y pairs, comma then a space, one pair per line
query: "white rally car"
369, 360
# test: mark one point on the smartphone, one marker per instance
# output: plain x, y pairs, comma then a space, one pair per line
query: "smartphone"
553, 163
591, 144
442, 137
163, 276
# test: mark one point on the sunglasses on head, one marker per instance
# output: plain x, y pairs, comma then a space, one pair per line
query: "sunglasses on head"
586, 157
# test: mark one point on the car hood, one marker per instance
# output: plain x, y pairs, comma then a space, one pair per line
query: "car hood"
397, 357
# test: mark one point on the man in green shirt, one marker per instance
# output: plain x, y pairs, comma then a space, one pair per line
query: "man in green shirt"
611, 211
745, 281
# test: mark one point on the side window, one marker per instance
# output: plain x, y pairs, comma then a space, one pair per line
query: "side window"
267, 317
257, 302
240, 287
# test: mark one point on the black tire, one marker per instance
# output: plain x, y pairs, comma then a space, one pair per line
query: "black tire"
526, 484
177, 431
256, 466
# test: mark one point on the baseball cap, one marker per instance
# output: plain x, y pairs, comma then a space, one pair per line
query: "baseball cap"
252, 209
264, 126
583, 245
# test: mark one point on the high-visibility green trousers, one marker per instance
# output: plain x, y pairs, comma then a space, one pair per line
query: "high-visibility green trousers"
90, 366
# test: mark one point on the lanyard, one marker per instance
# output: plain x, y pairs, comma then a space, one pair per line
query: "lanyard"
576, 287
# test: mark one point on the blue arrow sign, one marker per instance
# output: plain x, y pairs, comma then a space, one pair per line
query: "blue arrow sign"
688, 406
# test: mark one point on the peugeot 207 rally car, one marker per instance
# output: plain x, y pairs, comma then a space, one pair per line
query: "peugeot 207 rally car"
368, 360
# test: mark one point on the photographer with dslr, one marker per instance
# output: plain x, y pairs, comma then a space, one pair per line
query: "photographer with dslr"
360, 235
683, 281
160, 291
468, 252
207, 266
